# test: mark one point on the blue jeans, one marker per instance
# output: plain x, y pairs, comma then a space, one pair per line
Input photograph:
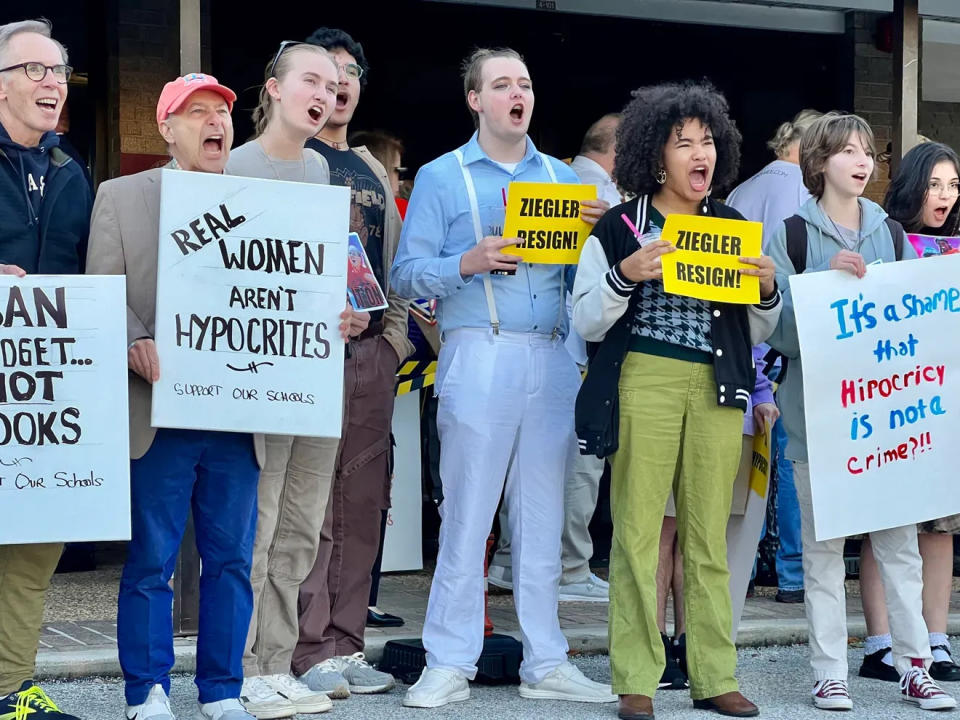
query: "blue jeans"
216, 475
790, 548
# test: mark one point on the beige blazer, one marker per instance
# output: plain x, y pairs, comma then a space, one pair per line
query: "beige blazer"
123, 241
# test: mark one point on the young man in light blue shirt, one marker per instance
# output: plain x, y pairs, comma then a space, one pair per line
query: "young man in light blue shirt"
506, 386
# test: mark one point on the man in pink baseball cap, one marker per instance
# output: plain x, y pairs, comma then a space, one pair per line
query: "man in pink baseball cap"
173, 471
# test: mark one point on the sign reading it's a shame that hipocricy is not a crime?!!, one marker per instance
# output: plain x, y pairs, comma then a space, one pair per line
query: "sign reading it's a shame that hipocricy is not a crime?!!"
545, 217
64, 449
252, 279
706, 263
881, 393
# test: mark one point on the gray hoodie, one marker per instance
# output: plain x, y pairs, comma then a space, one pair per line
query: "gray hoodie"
822, 245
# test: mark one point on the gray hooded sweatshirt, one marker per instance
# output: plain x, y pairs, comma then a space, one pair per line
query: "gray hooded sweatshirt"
822, 244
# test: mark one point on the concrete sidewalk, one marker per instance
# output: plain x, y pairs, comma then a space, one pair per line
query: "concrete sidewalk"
79, 635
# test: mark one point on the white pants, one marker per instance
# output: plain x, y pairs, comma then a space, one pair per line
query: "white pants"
580, 490
823, 574
505, 411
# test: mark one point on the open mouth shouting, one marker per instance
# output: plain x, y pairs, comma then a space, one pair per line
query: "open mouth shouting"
48, 105
316, 112
213, 145
861, 177
342, 99
698, 178
940, 213
517, 112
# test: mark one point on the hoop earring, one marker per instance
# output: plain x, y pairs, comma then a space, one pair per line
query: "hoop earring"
660, 176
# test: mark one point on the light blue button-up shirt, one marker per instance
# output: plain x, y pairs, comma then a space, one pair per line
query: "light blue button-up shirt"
438, 229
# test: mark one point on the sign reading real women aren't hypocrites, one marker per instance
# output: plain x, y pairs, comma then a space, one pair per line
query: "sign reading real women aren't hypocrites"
250, 286
706, 264
545, 217
64, 447
881, 392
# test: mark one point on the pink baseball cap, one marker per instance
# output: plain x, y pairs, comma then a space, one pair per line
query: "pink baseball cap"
177, 91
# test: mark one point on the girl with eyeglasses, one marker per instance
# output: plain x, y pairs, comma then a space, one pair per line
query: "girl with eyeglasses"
923, 198
297, 98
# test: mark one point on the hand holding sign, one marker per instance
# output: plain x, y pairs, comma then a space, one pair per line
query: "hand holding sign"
763, 269
12, 270
142, 358
486, 256
593, 210
645, 264
850, 262
354, 322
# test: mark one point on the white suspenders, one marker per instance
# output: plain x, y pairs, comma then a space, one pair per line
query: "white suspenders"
478, 232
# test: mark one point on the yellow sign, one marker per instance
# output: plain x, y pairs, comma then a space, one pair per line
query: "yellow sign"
760, 467
545, 217
707, 263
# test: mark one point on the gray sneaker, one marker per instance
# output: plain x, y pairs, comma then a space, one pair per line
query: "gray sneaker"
363, 678
326, 677
231, 709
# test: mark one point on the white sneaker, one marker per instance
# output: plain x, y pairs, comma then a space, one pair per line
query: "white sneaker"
263, 702
500, 576
832, 695
918, 687
566, 682
437, 687
155, 707
590, 590
230, 709
304, 699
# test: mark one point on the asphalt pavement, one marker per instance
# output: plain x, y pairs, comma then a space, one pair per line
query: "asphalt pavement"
778, 679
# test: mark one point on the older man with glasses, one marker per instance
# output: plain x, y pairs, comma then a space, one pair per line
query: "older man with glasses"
45, 205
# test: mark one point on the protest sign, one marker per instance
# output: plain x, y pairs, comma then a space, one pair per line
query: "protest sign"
64, 446
878, 357
363, 290
930, 245
706, 263
251, 283
545, 217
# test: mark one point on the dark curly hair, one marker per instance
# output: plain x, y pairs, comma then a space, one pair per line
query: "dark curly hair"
333, 38
655, 112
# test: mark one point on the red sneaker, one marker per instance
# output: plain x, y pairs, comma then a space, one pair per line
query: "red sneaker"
832, 695
918, 687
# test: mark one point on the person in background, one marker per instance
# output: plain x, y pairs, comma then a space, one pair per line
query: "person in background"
846, 232
923, 198
593, 165
45, 205
771, 196
335, 596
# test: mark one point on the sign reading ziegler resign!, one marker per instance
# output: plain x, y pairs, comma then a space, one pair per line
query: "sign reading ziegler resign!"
707, 263
545, 217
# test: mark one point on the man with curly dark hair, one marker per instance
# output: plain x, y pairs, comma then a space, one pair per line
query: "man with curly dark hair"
669, 380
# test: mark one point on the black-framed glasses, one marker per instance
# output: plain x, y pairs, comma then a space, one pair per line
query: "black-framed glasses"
37, 71
283, 46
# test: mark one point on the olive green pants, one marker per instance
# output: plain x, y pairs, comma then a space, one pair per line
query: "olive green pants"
25, 572
673, 436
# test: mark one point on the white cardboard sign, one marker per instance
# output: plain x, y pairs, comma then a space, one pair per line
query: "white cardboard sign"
64, 446
880, 362
250, 286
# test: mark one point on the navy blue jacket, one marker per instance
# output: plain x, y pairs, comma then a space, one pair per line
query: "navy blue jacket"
56, 243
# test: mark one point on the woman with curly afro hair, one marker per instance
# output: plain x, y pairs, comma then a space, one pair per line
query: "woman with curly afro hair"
668, 384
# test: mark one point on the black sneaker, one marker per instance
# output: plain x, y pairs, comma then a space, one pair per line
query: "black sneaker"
680, 652
945, 670
30, 702
673, 677
789, 596
873, 667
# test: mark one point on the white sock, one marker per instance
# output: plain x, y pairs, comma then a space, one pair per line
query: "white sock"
877, 642
888, 658
940, 639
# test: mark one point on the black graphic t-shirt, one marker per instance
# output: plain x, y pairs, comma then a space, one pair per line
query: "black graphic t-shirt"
368, 203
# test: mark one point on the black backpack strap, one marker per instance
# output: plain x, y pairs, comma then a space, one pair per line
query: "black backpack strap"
797, 242
898, 235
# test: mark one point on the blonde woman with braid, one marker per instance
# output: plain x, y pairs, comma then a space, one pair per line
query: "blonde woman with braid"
298, 96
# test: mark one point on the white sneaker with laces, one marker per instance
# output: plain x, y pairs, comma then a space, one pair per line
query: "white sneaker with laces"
587, 591
263, 702
832, 695
437, 687
303, 699
566, 682
916, 686
229, 709
155, 707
